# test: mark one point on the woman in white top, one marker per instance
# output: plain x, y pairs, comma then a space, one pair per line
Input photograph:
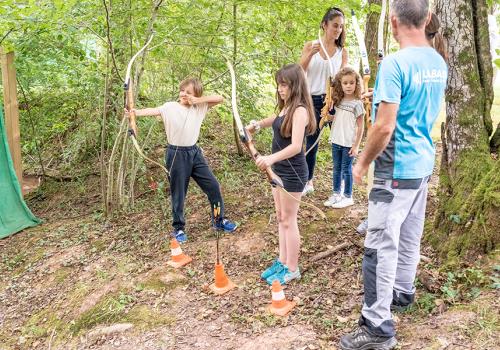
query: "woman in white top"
319, 65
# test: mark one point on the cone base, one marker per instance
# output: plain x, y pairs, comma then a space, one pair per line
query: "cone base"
283, 310
219, 291
176, 264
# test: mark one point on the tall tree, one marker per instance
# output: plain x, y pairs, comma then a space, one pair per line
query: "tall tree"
467, 220
371, 35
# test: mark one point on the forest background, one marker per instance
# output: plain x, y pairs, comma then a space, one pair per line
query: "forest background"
98, 258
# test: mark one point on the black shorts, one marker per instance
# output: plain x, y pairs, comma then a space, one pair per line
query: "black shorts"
294, 180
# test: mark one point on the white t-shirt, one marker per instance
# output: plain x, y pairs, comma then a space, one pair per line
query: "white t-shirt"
182, 124
318, 71
343, 130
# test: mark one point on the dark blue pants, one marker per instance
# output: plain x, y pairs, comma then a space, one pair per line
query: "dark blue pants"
311, 139
342, 169
184, 163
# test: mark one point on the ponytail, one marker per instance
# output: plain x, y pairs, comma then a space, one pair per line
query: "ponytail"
439, 44
435, 38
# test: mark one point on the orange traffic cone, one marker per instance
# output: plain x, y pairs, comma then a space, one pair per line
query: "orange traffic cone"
279, 305
178, 258
222, 283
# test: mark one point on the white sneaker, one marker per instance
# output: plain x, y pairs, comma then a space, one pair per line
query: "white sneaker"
334, 198
343, 203
308, 189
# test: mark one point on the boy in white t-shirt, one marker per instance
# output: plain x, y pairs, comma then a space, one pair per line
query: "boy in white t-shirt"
183, 158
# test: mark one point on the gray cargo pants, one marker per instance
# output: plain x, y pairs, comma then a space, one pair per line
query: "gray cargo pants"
396, 213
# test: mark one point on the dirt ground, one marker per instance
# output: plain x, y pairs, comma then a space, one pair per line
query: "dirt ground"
79, 281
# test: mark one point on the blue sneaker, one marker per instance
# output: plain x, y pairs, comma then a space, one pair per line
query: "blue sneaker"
284, 276
274, 268
180, 236
226, 225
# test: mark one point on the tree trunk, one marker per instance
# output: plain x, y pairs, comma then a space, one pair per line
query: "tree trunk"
371, 35
467, 220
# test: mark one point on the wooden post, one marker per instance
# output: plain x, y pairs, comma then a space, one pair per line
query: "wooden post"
11, 109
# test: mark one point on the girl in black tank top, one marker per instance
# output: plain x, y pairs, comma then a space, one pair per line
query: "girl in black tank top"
292, 171
295, 120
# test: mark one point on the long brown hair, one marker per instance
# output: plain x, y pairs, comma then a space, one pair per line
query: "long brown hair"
337, 92
330, 14
435, 37
293, 76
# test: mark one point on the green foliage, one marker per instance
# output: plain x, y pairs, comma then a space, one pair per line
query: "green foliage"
464, 284
426, 302
449, 292
62, 61
495, 277
13, 262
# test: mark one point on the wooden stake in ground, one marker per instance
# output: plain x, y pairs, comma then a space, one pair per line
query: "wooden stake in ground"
222, 283
12, 111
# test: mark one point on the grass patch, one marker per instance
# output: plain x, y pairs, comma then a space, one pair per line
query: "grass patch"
145, 318
156, 283
109, 310
98, 245
483, 331
61, 274
41, 325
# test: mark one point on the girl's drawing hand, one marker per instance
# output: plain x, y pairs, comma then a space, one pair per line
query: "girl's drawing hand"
193, 99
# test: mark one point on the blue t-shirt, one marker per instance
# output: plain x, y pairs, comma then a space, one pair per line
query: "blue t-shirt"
415, 78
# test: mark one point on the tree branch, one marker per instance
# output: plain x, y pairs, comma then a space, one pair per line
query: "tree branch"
110, 43
5, 36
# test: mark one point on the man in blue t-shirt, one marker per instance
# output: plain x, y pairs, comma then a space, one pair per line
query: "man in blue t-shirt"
408, 92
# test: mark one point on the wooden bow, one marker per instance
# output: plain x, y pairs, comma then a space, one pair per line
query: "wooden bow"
130, 104
365, 65
246, 139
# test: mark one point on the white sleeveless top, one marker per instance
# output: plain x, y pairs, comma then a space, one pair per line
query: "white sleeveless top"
318, 71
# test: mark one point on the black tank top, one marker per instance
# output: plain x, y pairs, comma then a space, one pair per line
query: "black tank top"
298, 161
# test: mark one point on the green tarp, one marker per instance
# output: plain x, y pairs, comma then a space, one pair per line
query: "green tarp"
14, 214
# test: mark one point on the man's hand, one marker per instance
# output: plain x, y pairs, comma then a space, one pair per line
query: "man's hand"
358, 172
